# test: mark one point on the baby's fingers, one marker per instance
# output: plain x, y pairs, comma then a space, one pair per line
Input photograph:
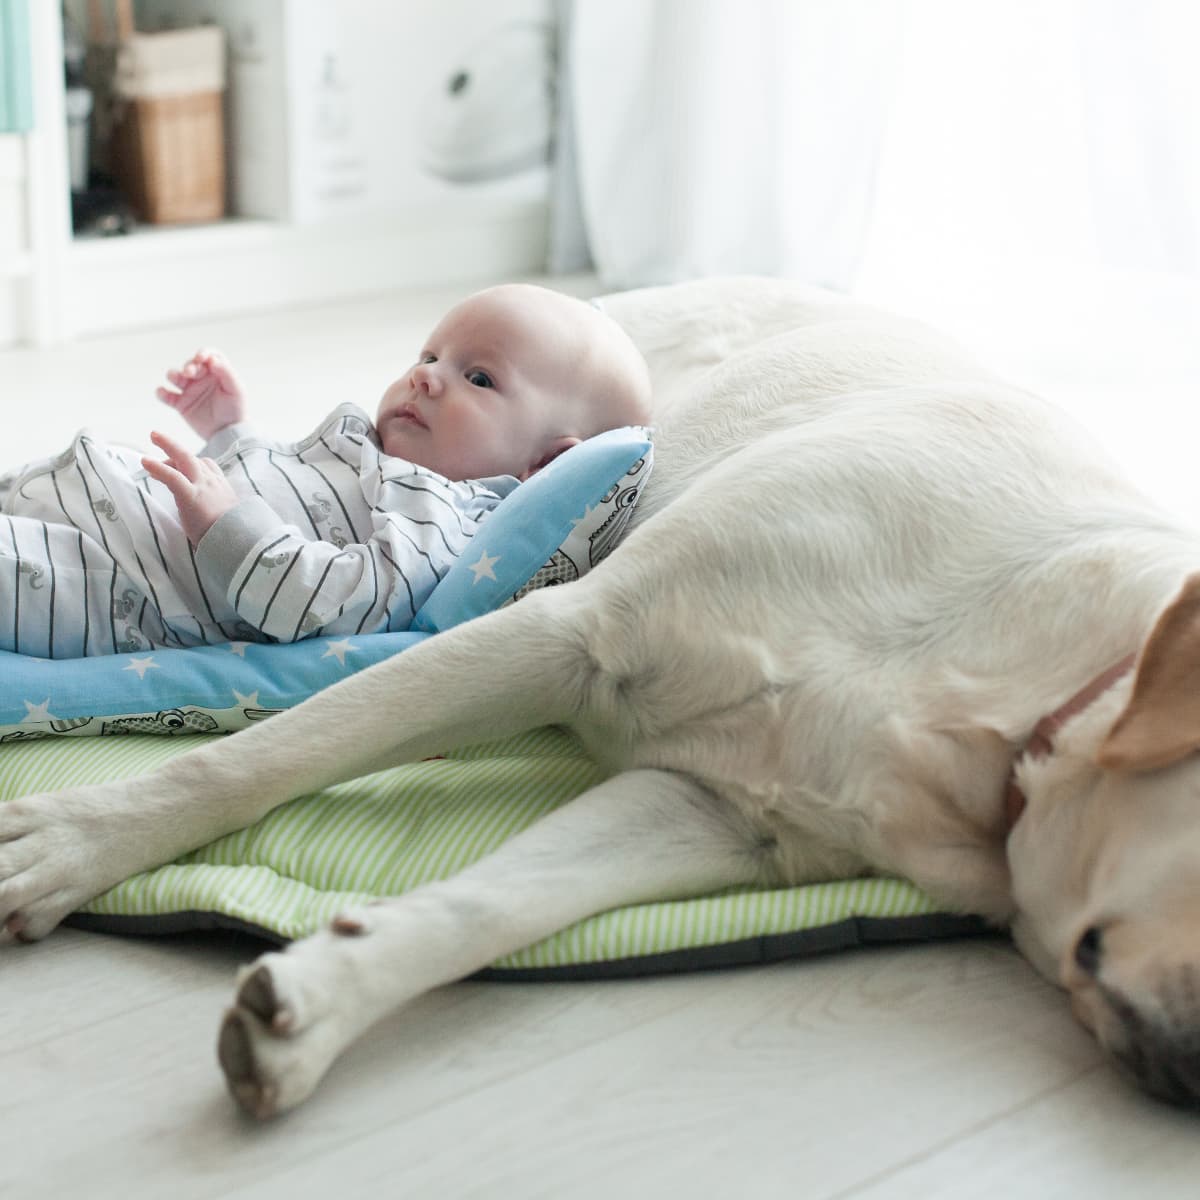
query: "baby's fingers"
178, 456
167, 475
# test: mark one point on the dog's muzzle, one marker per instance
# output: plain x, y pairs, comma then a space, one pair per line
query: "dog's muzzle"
1161, 1051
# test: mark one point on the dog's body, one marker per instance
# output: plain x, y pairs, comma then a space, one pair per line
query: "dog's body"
861, 573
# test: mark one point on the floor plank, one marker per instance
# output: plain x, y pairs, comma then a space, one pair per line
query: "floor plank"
836, 1071
1095, 1137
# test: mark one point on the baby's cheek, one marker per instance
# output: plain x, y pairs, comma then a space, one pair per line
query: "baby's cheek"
390, 396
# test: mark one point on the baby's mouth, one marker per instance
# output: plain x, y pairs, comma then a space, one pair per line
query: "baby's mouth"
411, 416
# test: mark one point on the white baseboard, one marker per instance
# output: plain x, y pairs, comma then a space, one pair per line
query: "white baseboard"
161, 276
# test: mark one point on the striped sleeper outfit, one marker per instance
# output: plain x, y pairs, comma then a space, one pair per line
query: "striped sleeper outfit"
330, 536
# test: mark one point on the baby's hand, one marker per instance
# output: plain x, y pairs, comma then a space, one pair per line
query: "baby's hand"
205, 393
201, 492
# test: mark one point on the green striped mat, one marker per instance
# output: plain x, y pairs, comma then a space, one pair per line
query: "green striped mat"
386, 833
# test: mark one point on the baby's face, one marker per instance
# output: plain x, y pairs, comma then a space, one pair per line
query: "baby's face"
487, 393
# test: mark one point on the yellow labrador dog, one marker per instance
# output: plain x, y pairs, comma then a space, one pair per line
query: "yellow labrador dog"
881, 612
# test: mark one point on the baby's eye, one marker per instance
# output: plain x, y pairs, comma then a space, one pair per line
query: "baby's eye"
480, 379
427, 357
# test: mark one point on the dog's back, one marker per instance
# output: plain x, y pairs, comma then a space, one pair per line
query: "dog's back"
864, 567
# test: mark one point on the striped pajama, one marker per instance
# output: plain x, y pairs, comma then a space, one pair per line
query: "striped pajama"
329, 536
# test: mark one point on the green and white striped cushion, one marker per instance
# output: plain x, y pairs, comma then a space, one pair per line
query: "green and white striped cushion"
386, 833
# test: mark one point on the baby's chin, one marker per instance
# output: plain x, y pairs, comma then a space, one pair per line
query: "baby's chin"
407, 443
401, 439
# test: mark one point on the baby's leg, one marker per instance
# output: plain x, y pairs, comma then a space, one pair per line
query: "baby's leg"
62, 596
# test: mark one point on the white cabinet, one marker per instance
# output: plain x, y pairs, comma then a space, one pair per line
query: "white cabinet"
406, 227
14, 222
16, 263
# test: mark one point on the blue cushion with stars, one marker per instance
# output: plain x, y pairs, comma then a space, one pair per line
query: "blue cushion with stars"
550, 530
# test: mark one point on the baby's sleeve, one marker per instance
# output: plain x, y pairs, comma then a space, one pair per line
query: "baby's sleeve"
225, 438
290, 586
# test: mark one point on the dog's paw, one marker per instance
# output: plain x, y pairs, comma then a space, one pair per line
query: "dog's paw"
51, 860
267, 1074
293, 1013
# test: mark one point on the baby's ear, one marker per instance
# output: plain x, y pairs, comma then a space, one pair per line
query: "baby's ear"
556, 447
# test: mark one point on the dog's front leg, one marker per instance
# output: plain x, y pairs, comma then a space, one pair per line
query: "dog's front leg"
641, 836
500, 674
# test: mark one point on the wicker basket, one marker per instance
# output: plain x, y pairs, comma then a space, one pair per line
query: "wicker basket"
171, 155
169, 145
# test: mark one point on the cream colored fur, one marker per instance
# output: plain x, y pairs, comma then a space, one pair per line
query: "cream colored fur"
862, 571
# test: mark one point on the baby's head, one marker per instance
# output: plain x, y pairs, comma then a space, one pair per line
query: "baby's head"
508, 380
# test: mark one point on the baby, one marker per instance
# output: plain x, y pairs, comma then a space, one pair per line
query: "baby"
345, 531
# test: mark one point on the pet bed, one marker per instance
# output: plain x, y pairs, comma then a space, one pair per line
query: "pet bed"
386, 833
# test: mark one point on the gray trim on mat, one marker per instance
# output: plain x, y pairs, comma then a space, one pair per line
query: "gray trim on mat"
800, 943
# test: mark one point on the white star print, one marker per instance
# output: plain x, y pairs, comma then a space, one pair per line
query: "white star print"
239, 648
37, 712
338, 650
250, 701
142, 665
483, 568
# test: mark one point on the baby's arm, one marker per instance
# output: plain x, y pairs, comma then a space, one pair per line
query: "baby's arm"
205, 393
290, 585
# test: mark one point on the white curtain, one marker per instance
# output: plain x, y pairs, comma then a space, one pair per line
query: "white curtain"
906, 149
717, 136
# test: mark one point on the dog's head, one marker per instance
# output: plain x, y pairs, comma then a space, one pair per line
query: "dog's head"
1106, 862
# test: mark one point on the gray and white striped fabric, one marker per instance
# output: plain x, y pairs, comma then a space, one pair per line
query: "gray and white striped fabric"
331, 537
387, 833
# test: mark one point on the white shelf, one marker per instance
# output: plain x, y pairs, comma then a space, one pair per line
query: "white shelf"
65, 286
149, 241
167, 275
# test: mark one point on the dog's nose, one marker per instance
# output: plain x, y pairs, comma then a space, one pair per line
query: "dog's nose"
1089, 950
1164, 1068
1161, 1051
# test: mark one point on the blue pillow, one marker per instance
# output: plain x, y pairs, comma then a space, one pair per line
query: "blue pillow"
551, 529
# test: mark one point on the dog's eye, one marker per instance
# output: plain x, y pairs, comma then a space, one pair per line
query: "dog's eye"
1089, 950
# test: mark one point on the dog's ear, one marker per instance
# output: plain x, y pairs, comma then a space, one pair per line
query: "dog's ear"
1161, 723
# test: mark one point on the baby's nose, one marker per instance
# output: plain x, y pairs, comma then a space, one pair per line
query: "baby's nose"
425, 379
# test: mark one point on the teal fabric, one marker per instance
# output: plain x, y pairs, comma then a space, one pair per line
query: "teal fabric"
16, 62
578, 489
206, 689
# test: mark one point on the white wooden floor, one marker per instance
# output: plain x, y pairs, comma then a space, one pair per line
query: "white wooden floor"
947, 1070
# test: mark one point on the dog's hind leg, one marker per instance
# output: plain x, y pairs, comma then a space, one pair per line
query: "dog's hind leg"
512, 670
641, 836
